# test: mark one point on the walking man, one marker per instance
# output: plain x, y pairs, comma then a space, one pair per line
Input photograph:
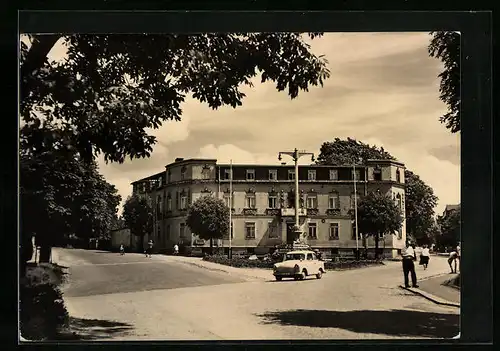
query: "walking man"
176, 249
149, 250
409, 265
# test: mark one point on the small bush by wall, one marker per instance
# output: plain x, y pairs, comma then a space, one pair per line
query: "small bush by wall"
42, 310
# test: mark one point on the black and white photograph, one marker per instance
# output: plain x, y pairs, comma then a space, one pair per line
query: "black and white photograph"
239, 186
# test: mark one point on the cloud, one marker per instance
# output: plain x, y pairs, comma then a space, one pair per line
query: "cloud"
383, 89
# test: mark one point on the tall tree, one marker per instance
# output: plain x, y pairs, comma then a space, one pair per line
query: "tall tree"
111, 88
419, 207
377, 215
449, 225
138, 216
420, 200
208, 217
446, 47
60, 194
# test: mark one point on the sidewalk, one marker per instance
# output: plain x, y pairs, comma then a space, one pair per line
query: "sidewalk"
251, 273
432, 288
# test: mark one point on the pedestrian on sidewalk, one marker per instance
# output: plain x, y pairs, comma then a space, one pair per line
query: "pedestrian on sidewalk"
122, 250
149, 250
176, 249
424, 257
409, 265
453, 259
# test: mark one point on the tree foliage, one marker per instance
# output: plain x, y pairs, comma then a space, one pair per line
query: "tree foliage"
446, 47
138, 215
112, 88
450, 228
208, 217
420, 200
377, 215
419, 208
60, 194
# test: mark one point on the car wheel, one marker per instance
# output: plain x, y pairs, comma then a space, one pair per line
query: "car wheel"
303, 275
278, 278
319, 274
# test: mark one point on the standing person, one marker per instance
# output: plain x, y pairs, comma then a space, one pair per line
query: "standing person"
409, 265
424, 257
459, 255
176, 249
122, 249
453, 259
149, 250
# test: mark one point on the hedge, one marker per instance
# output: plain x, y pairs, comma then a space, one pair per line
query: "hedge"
246, 263
42, 311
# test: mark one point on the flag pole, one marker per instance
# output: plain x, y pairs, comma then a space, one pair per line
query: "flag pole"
230, 204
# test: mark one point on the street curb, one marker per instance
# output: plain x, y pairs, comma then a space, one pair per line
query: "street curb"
430, 297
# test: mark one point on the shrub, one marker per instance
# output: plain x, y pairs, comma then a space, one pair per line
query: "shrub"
246, 263
42, 310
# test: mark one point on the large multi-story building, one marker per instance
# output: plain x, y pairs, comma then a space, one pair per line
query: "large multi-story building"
263, 203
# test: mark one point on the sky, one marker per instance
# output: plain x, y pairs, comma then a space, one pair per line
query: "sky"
383, 90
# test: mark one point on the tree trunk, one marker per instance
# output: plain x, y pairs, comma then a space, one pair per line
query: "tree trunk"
211, 246
376, 246
141, 244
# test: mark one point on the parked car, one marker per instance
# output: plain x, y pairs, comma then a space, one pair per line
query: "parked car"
298, 265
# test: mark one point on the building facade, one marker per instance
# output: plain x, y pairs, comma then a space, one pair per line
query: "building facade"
263, 200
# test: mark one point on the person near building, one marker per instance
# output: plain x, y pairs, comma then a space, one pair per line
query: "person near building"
176, 249
409, 257
149, 250
122, 249
424, 257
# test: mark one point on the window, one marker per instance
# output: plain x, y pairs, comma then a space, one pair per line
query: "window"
229, 200
250, 174
169, 175
353, 233
400, 233
377, 174
273, 230
169, 203
182, 229
356, 174
398, 176
159, 207
312, 231
227, 174
312, 201
399, 201
250, 230
311, 174
333, 233
250, 201
291, 174
205, 173
159, 182
273, 174
333, 201
309, 257
272, 201
183, 173
167, 232
183, 202
334, 174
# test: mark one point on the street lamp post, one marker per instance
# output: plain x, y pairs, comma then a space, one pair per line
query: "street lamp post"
230, 206
296, 154
355, 210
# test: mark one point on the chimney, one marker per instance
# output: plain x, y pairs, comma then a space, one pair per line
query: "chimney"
179, 159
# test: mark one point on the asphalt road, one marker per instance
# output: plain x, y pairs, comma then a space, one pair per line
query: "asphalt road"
194, 303
100, 272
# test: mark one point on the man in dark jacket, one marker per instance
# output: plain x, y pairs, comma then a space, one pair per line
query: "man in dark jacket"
409, 257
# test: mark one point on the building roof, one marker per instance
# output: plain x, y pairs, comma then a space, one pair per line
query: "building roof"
151, 177
451, 207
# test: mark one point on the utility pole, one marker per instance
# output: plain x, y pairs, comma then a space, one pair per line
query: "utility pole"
230, 205
296, 154
355, 209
